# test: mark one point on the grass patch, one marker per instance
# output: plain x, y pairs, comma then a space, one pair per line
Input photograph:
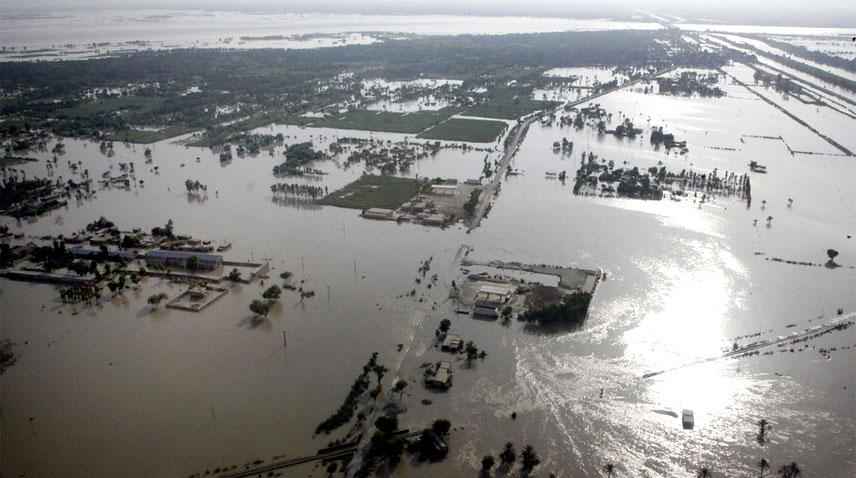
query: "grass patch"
387, 192
366, 120
509, 103
139, 104
145, 137
457, 129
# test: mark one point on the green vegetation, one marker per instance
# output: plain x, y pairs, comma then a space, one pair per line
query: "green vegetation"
457, 129
297, 156
508, 105
259, 308
155, 299
411, 123
147, 136
374, 191
272, 293
346, 411
199, 89
571, 310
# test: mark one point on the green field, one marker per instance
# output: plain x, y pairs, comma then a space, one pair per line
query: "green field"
366, 120
508, 107
140, 104
457, 129
145, 137
388, 192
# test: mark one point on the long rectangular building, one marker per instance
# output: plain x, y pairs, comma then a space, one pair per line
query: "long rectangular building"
179, 259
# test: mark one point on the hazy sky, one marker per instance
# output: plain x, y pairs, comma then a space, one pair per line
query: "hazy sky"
820, 12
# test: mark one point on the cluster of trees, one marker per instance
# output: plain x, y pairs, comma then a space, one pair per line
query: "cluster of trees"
305, 190
155, 299
194, 186
689, 83
99, 224
271, 295
571, 310
296, 156
528, 458
165, 231
345, 412
81, 293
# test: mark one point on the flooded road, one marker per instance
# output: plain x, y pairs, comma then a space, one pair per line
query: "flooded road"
171, 393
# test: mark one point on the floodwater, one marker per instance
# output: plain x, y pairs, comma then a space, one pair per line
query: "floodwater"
213, 29
121, 390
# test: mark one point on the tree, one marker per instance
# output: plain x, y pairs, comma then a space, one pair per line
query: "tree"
471, 350
703, 472
791, 470
332, 468
387, 424
399, 387
155, 299
508, 455
259, 308
487, 463
609, 469
441, 427
235, 275
272, 293
529, 458
832, 253
763, 427
192, 263
764, 465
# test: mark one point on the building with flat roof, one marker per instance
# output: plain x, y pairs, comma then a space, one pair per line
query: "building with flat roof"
379, 213
452, 343
179, 259
91, 252
440, 376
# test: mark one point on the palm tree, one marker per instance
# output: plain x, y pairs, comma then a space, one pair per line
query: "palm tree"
769, 220
609, 469
790, 471
764, 465
763, 427
703, 472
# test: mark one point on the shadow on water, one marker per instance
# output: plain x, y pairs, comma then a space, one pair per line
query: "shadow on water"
252, 322
550, 329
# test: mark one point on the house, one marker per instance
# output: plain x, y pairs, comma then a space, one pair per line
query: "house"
434, 220
444, 189
439, 376
91, 252
491, 298
452, 343
378, 213
179, 259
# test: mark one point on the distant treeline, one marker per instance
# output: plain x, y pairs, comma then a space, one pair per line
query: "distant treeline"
813, 55
186, 87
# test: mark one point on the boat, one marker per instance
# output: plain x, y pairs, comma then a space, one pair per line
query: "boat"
688, 419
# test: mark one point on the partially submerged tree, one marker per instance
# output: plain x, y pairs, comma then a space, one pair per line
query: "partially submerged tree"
508, 455
529, 458
272, 293
259, 308
155, 299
